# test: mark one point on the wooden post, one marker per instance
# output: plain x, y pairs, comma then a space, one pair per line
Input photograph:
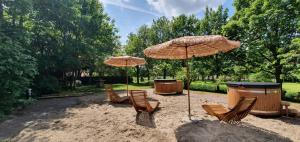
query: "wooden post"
127, 77
188, 80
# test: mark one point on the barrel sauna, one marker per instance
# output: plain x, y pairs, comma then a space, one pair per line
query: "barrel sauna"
167, 86
268, 96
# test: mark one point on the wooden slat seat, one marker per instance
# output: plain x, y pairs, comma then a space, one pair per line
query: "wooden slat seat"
141, 103
234, 115
114, 97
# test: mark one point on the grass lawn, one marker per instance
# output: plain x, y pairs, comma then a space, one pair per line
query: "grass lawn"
140, 86
292, 89
85, 90
93, 88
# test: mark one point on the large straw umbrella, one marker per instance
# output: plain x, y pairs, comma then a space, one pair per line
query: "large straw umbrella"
188, 47
125, 61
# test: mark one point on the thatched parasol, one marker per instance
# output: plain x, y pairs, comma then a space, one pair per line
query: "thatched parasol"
125, 61
191, 46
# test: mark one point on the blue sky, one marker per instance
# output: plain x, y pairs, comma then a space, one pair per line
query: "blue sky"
129, 15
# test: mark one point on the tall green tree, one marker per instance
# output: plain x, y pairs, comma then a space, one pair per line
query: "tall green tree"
17, 67
267, 29
70, 37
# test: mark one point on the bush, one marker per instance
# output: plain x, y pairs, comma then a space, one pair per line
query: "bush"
46, 85
151, 83
17, 70
208, 86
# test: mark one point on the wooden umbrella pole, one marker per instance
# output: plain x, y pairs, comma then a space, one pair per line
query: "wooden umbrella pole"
188, 80
127, 77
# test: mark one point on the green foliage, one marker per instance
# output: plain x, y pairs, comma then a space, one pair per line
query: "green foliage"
207, 86
46, 85
260, 77
69, 37
17, 70
291, 61
53, 38
266, 29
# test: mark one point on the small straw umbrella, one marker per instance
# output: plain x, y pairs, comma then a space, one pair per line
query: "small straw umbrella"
125, 61
188, 47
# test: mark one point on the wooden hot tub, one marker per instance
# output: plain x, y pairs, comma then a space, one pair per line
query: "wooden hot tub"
167, 86
268, 96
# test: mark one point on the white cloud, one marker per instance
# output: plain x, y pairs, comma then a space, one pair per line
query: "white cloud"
176, 7
127, 5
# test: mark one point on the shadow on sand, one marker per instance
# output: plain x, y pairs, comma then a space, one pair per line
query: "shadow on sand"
290, 120
45, 113
214, 131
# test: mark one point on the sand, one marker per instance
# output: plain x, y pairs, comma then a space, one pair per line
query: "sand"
92, 118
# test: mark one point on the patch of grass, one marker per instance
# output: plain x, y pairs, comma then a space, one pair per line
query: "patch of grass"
140, 86
292, 90
83, 90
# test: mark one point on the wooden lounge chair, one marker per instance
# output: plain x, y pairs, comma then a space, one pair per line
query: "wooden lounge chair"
114, 97
140, 102
234, 115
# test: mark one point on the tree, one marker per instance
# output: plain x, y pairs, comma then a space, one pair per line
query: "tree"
291, 61
17, 67
267, 28
136, 44
212, 24
17, 70
70, 37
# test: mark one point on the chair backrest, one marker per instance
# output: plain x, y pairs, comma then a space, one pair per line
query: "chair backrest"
242, 108
244, 104
138, 99
111, 95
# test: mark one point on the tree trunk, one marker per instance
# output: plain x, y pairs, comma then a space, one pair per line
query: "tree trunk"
202, 77
278, 71
218, 88
148, 74
138, 74
1, 11
21, 21
165, 73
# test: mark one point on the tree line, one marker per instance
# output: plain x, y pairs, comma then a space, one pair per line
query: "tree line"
267, 29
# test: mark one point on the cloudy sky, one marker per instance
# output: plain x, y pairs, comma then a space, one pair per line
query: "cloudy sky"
129, 15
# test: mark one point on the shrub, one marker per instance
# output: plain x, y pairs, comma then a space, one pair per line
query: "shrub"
208, 86
151, 83
46, 84
17, 70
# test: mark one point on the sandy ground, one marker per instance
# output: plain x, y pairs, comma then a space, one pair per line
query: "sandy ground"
92, 118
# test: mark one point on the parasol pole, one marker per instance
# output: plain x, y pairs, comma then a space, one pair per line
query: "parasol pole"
188, 79
127, 77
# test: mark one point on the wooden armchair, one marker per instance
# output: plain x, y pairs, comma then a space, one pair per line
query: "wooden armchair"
140, 102
238, 112
114, 97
